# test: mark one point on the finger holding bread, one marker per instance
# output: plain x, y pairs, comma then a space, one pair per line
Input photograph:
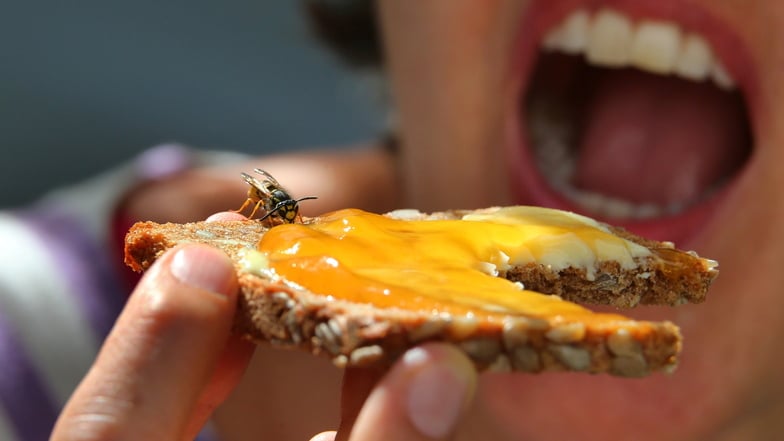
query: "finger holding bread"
170, 358
422, 397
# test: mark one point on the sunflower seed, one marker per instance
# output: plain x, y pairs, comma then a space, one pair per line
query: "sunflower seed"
630, 366
517, 329
326, 338
524, 359
291, 322
463, 326
428, 329
482, 350
576, 359
340, 361
566, 333
501, 364
366, 355
622, 343
281, 297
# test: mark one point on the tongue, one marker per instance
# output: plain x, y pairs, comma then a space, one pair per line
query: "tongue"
661, 140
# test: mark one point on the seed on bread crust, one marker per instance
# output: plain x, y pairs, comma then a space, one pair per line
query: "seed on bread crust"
292, 325
525, 359
566, 332
621, 343
431, 327
574, 358
483, 350
328, 337
462, 327
366, 356
630, 366
501, 364
516, 330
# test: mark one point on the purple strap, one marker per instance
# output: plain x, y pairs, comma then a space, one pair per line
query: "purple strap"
30, 409
93, 281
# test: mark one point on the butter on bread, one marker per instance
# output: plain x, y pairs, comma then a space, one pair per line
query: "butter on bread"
362, 288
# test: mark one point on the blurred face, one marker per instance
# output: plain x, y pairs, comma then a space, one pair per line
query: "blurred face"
657, 115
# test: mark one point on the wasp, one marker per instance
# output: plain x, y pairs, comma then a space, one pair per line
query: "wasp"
267, 194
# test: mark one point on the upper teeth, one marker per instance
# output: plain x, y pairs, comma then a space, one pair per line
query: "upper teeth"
611, 39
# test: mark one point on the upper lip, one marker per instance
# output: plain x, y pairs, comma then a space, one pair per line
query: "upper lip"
727, 46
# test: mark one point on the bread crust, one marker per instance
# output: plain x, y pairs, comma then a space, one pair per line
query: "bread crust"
279, 312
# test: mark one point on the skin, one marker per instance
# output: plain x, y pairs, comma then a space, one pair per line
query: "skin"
449, 68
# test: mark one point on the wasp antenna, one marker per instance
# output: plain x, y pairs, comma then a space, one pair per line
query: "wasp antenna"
268, 214
275, 209
306, 198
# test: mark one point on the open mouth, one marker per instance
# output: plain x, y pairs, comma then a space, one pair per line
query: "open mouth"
630, 117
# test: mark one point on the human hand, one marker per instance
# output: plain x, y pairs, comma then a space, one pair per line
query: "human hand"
421, 398
170, 359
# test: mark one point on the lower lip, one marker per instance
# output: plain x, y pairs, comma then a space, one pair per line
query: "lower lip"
530, 187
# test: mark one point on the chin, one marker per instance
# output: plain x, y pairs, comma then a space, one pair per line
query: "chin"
647, 114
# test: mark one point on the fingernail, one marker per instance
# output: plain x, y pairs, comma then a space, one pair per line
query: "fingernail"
203, 267
439, 391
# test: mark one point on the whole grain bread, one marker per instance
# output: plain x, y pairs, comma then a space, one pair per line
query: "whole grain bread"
275, 311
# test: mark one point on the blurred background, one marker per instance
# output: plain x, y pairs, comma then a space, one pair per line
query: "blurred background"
87, 84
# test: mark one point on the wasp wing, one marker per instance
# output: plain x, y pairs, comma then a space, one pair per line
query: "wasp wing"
252, 181
268, 177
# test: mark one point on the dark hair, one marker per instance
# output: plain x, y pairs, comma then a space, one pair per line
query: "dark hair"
348, 28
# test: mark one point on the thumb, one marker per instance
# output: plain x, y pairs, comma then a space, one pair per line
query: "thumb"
151, 379
421, 398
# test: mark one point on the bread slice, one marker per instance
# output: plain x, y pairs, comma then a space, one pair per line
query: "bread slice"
282, 312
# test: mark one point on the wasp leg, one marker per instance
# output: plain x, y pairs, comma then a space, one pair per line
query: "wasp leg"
244, 205
255, 209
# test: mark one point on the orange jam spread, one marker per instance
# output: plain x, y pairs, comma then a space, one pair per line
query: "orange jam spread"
442, 265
